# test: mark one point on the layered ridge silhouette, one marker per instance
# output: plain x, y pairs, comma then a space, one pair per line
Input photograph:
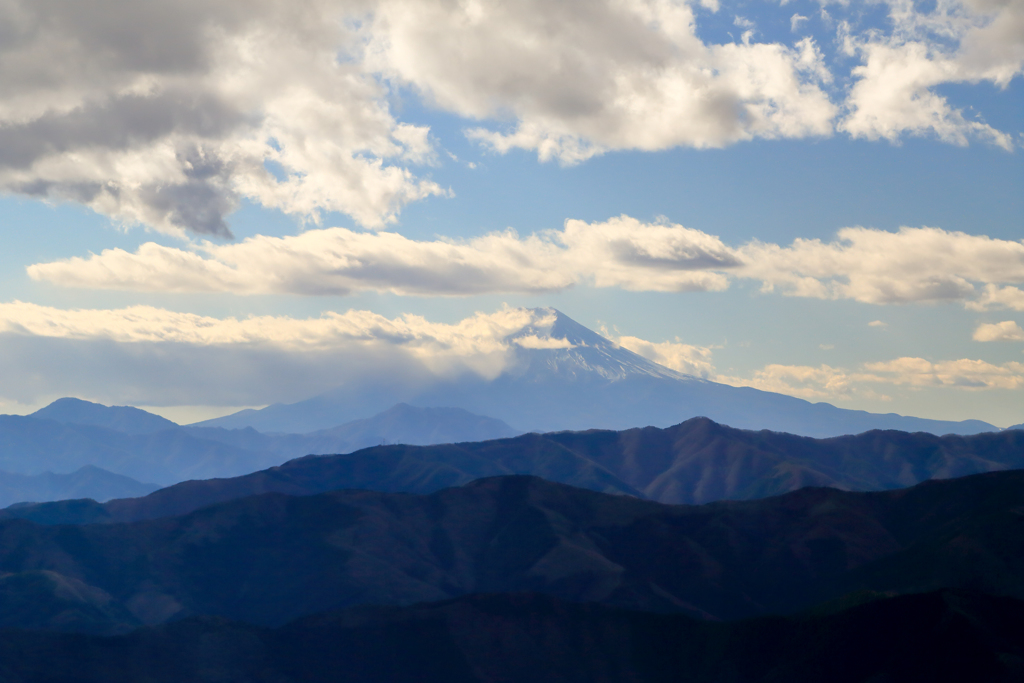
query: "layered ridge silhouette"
698, 461
70, 434
272, 558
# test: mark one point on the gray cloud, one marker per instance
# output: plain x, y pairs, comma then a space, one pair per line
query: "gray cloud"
111, 103
117, 123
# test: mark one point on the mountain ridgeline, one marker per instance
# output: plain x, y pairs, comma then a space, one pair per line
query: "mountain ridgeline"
698, 461
581, 380
269, 559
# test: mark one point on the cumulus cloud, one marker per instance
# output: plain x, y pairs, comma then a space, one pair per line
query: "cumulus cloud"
956, 42
999, 297
575, 79
863, 264
579, 78
880, 267
1008, 330
621, 252
168, 113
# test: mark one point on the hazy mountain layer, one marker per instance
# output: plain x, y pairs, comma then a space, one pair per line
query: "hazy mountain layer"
271, 558
585, 381
86, 482
119, 418
31, 445
698, 461
935, 637
401, 424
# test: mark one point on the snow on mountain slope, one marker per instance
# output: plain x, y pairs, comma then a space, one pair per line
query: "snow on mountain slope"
559, 375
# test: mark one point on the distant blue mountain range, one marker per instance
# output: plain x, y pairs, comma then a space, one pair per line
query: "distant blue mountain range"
119, 418
85, 482
71, 433
585, 381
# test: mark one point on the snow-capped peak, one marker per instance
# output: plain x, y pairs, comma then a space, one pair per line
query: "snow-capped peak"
552, 342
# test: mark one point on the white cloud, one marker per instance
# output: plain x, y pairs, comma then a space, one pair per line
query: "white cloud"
685, 358
964, 373
580, 78
878, 323
621, 252
812, 383
956, 42
480, 334
870, 380
153, 356
866, 265
1008, 330
795, 21
879, 267
332, 261
999, 297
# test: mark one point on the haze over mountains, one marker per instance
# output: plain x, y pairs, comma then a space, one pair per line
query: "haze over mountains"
698, 461
443, 571
563, 376
70, 434
417, 530
86, 482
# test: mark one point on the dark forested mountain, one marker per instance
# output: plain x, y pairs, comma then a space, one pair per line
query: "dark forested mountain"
85, 482
119, 418
939, 637
271, 558
581, 381
698, 461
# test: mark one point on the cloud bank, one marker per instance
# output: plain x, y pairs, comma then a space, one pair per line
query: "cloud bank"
863, 264
871, 380
151, 356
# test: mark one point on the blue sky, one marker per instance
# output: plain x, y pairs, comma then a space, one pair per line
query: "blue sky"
817, 198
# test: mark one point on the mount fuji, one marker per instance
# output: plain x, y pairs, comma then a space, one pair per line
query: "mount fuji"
563, 376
